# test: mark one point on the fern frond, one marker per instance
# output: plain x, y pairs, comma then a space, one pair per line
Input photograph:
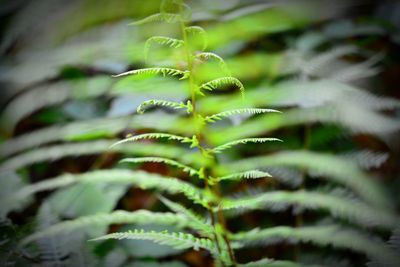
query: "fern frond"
159, 17
198, 31
253, 174
154, 136
214, 84
55, 152
152, 71
116, 217
323, 166
197, 222
208, 55
252, 111
161, 40
274, 263
220, 148
141, 179
333, 235
185, 168
346, 208
164, 103
176, 240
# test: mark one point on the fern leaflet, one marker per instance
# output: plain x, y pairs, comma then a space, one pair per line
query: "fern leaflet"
152, 71
116, 217
214, 84
154, 136
165, 103
208, 55
252, 111
198, 31
185, 168
196, 221
161, 40
253, 174
176, 240
220, 148
159, 17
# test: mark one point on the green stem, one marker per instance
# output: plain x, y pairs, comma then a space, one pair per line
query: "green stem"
214, 189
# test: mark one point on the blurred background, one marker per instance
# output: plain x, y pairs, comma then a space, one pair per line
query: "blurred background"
332, 67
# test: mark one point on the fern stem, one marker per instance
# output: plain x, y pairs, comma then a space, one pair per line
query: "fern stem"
189, 61
214, 189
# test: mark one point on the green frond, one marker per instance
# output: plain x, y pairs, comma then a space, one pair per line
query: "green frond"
116, 217
273, 263
197, 222
161, 40
55, 152
152, 71
346, 208
253, 174
252, 111
324, 166
176, 240
154, 136
208, 55
185, 168
214, 84
159, 17
164, 103
199, 31
332, 235
220, 148
140, 179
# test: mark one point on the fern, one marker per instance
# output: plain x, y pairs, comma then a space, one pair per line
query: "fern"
252, 111
208, 55
152, 71
322, 166
198, 31
323, 235
254, 174
164, 103
196, 221
338, 206
156, 136
139, 178
220, 148
55, 152
274, 263
116, 217
215, 84
159, 17
161, 40
175, 240
188, 169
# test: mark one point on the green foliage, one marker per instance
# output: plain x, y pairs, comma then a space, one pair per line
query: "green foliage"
159, 17
116, 217
188, 169
220, 148
220, 82
342, 207
228, 113
164, 103
325, 94
151, 71
322, 235
176, 240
